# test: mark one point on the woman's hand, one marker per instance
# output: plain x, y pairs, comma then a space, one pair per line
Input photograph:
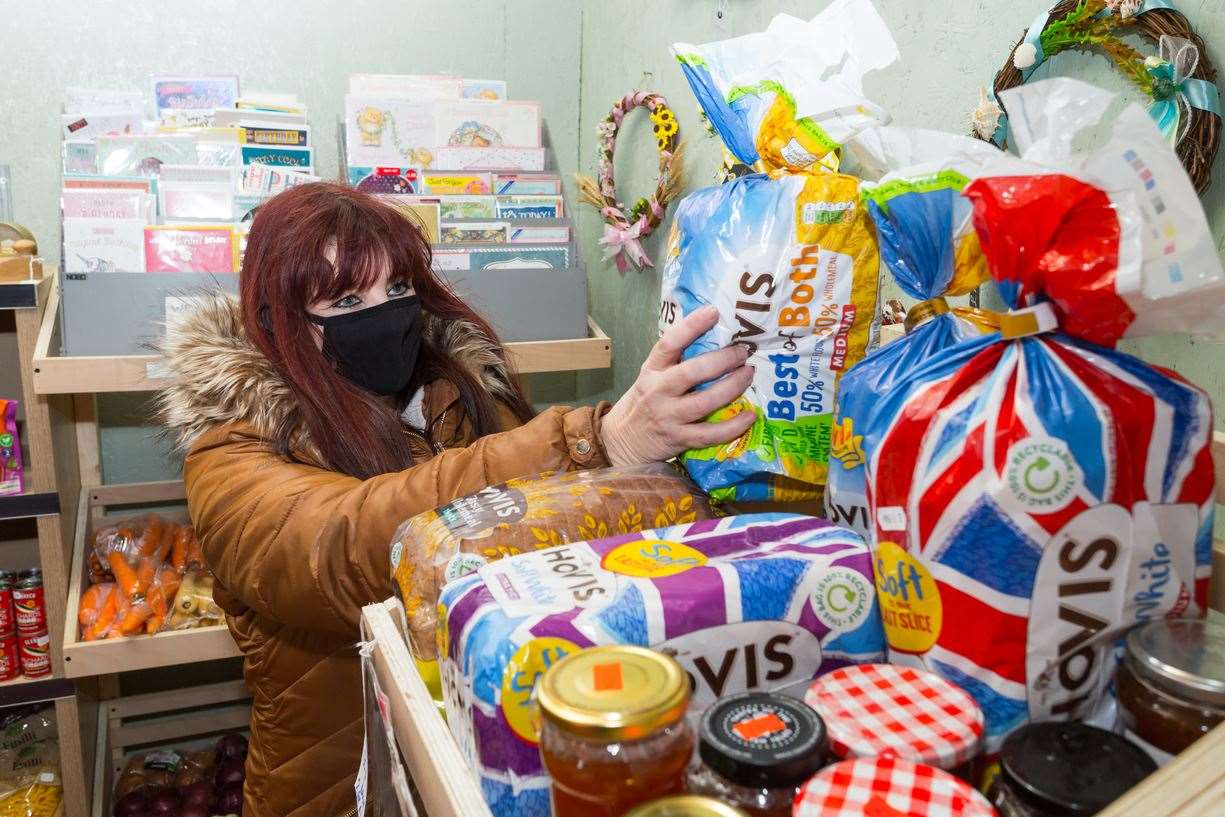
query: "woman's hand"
661, 416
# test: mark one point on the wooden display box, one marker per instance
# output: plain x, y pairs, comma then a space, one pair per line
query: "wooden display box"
86, 658
1193, 785
190, 718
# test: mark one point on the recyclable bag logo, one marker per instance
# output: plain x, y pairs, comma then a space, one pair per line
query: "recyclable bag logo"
1042, 475
842, 598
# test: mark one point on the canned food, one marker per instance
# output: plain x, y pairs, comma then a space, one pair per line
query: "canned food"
10, 662
8, 623
8, 576
31, 572
29, 608
35, 654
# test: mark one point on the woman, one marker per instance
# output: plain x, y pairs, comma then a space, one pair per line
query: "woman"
343, 392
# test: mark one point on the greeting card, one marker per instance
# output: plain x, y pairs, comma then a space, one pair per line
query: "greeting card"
489, 89
269, 180
140, 183
518, 207
99, 99
406, 87
424, 217
144, 154
483, 124
388, 133
286, 137
539, 234
526, 184
488, 232
457, 207
190, 249
187, 101
242, 117
297, 158
448, 184
394, 180
93, 125
520, 258
476, 158
104, 245
112, 204
80, 156
205, 201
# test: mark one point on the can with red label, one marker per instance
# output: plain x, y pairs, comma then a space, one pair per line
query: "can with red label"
29, 608
10, 663
8, 624
35, 654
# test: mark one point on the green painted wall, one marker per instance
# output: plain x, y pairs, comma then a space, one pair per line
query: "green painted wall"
577, 57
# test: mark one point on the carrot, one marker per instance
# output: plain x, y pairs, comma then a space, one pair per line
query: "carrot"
92, 601
170, 579
195, 556
145, 572
178, 553
152, 539
154, 624
125, 576
106, 616
135, 618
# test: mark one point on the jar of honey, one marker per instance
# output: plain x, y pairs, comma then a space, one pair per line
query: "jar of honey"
613, 733
1171, 684
686, 805
757, 749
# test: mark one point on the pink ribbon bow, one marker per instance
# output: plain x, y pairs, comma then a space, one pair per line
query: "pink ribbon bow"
620, 242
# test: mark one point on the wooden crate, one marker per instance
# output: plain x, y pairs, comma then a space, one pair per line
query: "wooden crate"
87, 658
1191, 786
188, 718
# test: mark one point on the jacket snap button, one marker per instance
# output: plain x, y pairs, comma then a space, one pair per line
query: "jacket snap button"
582, 447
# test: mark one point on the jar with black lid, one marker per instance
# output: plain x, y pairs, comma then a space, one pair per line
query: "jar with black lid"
756, 750
1065, 770
1171, 684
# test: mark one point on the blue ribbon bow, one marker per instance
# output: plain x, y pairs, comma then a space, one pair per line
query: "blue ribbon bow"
1175, 92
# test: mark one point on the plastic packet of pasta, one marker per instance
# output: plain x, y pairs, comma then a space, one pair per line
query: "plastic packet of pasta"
787, 255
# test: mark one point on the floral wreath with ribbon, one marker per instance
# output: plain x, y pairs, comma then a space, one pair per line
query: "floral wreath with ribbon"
1180, 80
625, 229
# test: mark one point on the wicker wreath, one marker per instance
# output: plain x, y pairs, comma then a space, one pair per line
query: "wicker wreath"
1180, 79
624, 230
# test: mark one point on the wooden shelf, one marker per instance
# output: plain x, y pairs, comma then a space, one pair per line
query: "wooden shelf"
19, 294
56, 374
22, 690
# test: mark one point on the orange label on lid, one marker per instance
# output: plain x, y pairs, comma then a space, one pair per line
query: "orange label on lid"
606, 677
764, 724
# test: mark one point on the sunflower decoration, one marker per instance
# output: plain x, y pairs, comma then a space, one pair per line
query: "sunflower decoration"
665, 126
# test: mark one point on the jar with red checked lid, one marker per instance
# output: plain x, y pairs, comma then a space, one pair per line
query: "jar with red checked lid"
756, 750
883, 710
888, 787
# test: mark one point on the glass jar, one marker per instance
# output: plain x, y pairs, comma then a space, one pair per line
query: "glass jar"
756, 750
887, 710
613, 731
687, 805
1065, 770
888, 787
1171, 684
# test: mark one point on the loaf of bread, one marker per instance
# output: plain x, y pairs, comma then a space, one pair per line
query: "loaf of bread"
528, 514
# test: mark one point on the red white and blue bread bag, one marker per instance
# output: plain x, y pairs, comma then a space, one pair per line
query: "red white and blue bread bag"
1034, 492
928, 243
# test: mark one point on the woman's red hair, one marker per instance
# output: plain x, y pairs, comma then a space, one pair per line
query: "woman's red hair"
285, 269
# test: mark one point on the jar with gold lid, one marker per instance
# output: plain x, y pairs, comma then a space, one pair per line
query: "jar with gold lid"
613, 733
1171, 684
686, 805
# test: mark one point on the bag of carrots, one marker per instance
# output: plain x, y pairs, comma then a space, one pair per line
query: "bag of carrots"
137, 565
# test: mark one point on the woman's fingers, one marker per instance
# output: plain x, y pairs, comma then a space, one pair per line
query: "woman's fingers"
702, 435
706, 367
701, 404
667, 350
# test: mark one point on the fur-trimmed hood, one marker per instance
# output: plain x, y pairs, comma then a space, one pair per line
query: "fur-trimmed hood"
218, 377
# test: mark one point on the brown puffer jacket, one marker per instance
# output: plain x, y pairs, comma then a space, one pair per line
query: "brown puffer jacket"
297, 549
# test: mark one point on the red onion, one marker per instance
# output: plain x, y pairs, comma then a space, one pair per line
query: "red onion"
195, 810
131, 805
197, 794
229, 799
231, 746
230, 771
164, 801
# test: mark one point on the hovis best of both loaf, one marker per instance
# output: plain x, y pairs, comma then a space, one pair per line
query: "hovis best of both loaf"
787, 255
1034, 492
754, 602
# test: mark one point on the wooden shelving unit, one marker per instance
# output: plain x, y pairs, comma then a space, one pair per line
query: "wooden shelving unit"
55, 374
52, 484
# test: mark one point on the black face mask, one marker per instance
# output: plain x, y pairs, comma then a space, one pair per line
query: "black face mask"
375, 348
